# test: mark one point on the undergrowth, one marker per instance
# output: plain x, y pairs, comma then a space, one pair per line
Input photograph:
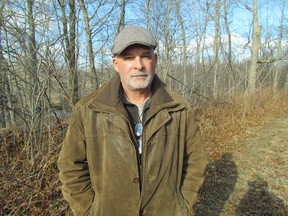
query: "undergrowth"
35, 190
222, 123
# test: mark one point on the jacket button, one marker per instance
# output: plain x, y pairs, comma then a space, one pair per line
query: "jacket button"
135, 180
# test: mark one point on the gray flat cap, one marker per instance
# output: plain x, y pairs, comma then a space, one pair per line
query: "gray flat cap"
133, 35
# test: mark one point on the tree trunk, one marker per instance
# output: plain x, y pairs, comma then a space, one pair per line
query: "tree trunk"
121, 23
184, 49
216, 49
230, 71
72, 53
92, 70
32, 55
279, 52
148, 15
167, 43
3, 96
70, 49
35, 104
256, 43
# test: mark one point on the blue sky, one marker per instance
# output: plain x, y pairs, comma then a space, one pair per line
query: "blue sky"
241, 22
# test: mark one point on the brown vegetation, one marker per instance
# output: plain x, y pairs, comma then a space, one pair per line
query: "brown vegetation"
223, 122
247, 173
34, 190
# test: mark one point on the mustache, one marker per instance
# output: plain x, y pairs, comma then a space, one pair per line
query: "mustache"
138, 73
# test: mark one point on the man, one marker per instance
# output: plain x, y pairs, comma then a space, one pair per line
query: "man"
133, 147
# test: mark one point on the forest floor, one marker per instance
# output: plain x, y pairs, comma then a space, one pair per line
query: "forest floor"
251, 178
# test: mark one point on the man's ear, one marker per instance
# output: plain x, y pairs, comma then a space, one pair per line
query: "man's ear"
156, 59
115, 64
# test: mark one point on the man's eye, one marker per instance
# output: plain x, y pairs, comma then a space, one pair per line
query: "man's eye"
146, 57
128, 57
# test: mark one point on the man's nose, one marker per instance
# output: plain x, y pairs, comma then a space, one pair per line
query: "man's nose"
138, 64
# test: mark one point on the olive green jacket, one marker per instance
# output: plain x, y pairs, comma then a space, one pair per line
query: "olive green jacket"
98, 161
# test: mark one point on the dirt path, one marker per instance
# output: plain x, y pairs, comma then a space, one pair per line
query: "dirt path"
253, 180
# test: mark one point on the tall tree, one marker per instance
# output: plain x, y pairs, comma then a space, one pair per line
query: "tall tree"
32, 50
216, 47
35, 103
202, 29
92, 68
148, 15
121, 22
3, 80
167, 40
184, 46
230, 71
69, 33
279, 51
256, 44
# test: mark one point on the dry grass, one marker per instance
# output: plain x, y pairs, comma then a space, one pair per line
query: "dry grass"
231, 120
34, 190
247, 173
28, 189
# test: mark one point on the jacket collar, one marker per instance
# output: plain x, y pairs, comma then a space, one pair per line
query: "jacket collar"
108, 96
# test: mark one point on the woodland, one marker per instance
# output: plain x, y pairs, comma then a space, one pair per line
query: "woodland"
228, 58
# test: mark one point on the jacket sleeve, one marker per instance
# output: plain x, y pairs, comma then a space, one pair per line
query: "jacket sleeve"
194, 163
74, 171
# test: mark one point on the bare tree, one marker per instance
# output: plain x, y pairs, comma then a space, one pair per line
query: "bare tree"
121, 22
3, 78
167, 43
201, 19
32, 51
256, 44
216, 47
148, 16
34, 86
184, 46
69, 33
279, 51
230, 71
89, 45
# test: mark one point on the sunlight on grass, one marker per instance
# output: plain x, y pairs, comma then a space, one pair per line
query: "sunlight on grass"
223, 123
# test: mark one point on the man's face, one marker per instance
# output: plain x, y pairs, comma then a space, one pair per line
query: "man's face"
136, 67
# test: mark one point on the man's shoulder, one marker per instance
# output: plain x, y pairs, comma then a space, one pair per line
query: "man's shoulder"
103, 95
83, 104
87, 99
